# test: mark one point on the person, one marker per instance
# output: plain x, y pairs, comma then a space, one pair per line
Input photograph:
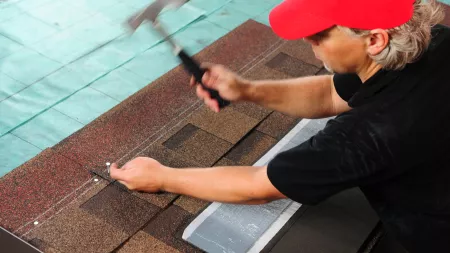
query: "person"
388, 88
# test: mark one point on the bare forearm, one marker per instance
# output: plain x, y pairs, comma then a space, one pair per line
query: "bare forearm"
239, 184
306, 97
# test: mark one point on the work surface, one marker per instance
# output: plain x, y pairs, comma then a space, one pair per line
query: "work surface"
75, 212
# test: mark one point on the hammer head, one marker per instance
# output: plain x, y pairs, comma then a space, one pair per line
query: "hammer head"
152, 11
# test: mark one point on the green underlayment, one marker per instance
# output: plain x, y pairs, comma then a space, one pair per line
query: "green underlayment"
64, 63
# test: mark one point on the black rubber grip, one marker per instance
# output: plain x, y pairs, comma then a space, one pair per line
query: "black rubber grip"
194, 68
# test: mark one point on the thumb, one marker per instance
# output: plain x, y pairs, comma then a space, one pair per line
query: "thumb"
116, 173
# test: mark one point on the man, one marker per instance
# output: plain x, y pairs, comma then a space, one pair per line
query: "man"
391, 135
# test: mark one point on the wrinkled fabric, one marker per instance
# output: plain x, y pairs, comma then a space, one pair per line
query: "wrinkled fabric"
394, 144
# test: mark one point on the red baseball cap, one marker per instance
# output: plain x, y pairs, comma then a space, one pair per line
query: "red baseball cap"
296, 19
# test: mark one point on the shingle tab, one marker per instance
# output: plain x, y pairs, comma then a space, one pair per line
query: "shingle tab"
228, 124
120, 209
142, 242
251, 148
200, 146
277, 125
74, 230
166, 225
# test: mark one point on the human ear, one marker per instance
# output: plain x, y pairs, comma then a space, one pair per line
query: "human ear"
377, 41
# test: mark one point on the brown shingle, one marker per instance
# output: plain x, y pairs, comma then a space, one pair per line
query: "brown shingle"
302, 51
43, 246
200, 146
79, 232
251, 148
142, 242
120, 209
178, 139
167, 156
229, 124
190, 204
265, 72
225, 162
252, 110
152, 146
166, 225
161, 200
74, 230
277, 125
291, 65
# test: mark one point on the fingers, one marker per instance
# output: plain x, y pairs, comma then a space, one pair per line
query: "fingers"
213, 104
212, 73
116, 173
207, 79
192, 82
206, 97
213, 79
208, 68
210, 79
124, 183
119, 174
202, 93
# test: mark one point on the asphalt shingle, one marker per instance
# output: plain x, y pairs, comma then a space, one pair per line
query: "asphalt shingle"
120, 209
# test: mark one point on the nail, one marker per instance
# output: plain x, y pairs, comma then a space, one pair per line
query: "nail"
107, 167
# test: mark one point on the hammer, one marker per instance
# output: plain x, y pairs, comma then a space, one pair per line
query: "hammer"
151, 13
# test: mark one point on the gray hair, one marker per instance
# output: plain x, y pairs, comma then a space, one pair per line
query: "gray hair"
407, 42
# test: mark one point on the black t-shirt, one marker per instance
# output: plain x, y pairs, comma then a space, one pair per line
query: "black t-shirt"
394, 144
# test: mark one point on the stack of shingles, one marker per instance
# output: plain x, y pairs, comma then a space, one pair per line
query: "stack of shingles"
164, 121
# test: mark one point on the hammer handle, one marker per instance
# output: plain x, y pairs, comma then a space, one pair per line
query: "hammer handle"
194, 68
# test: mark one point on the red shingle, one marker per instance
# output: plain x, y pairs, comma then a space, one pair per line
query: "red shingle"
29, 190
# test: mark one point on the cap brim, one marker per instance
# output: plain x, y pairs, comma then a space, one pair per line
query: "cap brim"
293, 20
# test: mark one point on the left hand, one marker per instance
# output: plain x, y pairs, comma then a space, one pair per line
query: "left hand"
141, 174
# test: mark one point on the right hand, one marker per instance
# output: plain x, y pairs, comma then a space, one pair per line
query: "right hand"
230, 86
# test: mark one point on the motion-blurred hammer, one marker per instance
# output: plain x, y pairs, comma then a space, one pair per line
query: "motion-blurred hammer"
151, 14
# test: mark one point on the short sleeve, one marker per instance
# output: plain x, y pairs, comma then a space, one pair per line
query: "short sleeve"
333, 160
346, 85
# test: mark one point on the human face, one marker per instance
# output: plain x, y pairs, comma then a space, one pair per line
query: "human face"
339, 51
